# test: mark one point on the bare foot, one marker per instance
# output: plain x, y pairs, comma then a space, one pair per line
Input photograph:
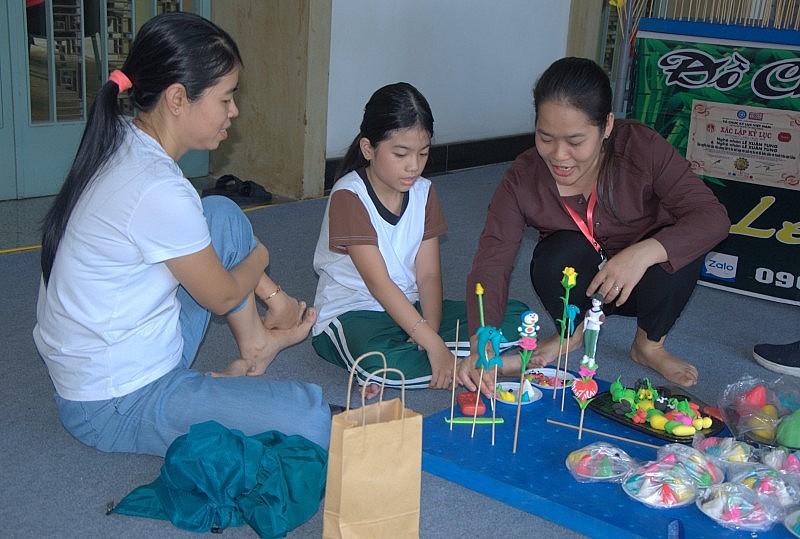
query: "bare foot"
653, 355
283, 311
547, 350
369, 391
237, 367
259, 355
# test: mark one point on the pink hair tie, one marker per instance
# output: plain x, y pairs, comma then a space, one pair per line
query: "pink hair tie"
121, 79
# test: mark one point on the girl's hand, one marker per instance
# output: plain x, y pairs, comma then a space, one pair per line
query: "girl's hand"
441, 368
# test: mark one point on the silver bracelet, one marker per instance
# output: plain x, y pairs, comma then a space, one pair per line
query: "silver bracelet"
414, 329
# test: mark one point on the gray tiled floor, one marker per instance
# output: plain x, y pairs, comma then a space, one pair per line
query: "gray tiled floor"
20, 222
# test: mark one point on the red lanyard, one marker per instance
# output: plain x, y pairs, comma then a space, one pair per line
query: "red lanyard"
587, 227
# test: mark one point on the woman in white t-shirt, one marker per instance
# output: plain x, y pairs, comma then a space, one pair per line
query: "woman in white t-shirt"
134, 263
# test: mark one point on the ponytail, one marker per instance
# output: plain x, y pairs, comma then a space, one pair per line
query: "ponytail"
102, 136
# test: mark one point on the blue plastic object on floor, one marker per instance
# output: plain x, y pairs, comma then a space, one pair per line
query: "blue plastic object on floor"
535, 478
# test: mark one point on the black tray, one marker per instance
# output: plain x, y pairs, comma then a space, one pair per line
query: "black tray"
602, 404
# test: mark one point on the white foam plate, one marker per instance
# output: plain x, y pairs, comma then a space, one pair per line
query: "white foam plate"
534, 394
550, 372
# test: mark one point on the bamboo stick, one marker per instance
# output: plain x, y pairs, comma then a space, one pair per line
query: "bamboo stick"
600, 433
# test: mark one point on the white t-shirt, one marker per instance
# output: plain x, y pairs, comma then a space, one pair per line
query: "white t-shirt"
107, 323
341, 288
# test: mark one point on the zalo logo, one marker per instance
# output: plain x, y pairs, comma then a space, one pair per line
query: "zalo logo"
720, 266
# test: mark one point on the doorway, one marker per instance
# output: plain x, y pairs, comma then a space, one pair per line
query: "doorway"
53, 58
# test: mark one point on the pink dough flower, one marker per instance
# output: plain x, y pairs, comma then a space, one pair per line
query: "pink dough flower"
527, 343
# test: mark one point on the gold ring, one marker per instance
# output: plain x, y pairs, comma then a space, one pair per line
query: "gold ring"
617, 289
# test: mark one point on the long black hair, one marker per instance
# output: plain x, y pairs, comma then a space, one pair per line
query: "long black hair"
169, 48
392, 107
583, 84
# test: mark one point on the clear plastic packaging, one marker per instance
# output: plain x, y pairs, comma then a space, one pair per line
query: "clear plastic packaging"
753, 408
660, 484
768, 481
599, 461
737, 507
702, 469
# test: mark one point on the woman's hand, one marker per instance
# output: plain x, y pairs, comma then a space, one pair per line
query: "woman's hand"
621, 273
470, 377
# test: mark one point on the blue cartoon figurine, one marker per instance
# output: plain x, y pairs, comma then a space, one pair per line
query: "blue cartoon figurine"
529, 327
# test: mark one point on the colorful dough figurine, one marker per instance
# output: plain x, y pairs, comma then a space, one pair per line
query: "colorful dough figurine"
592, 321
645, 404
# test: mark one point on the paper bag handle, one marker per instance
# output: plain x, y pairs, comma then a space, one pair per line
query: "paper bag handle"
353, 375
387, 370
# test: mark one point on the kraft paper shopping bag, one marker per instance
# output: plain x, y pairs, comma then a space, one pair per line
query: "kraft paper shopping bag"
374, 470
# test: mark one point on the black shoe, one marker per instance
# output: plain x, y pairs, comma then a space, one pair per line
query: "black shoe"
782, 358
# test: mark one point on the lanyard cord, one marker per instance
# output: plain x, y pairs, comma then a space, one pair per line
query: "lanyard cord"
587, 227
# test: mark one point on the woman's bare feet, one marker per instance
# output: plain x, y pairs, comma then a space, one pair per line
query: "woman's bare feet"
237, 367
283, 311
257, 354
653, 355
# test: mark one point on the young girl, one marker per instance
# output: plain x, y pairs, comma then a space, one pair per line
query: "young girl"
380, 282
134, 263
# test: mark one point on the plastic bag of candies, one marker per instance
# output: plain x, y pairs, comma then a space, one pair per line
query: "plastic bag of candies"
767, 481
702, 469
599, 461
728, 453
753, 408
738, 507
660, 484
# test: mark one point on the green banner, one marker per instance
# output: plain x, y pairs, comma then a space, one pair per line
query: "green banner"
732, 108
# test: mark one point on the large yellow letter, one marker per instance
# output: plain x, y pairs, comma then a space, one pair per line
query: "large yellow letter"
743, 226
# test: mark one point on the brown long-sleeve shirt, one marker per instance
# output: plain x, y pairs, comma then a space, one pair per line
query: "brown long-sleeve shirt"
655, 191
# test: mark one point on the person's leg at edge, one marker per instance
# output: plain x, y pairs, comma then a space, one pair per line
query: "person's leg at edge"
657, 302
550, 256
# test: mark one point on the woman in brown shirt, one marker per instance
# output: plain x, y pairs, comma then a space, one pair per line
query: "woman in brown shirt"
613, 200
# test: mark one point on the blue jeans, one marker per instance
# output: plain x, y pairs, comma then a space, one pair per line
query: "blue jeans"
150, 418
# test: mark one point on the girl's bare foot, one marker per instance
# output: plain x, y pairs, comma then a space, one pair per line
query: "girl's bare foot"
653, 355
547, 350
369, 391
258, 355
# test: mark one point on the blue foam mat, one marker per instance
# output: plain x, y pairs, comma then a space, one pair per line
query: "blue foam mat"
536, 479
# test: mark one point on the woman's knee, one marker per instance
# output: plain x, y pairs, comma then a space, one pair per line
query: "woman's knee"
230, 229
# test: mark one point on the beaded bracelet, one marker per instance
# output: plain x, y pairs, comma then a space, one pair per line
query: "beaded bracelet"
414, 329
273, 294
